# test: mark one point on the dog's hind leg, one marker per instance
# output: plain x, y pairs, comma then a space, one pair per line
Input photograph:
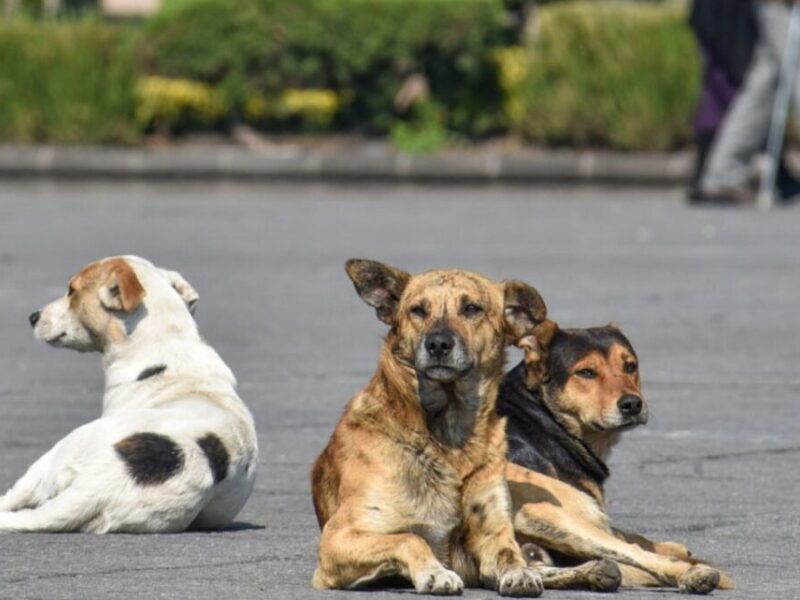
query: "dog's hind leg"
672, 549
73, 509
595, 575
31, 489
569, 533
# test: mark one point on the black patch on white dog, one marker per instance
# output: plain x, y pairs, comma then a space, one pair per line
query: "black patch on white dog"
151, 372
217, 455
151, 458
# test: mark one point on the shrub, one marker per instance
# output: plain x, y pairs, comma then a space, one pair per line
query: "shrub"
65, 82
309, 108
359, 49
606, 74
160, 100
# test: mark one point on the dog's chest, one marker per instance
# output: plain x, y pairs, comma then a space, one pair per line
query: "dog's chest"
432, 490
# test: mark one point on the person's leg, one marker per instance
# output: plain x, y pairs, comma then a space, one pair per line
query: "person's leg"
773, 23
744, 129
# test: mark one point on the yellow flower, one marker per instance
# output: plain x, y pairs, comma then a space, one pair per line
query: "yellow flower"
160, 99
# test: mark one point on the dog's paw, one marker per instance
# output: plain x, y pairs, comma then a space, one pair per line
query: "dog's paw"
522, 582
602, 575
438, 581
700, 579
534, 555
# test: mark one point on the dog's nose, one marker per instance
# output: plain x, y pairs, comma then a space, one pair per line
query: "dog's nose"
439, 343
630, 405
34, 318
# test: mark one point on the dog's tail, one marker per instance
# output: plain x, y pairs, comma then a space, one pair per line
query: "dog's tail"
71, 510
725, 581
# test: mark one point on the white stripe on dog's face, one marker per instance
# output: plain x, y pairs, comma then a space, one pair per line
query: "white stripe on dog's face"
90, 315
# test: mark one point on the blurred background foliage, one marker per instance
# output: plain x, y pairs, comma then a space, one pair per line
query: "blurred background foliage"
425, 73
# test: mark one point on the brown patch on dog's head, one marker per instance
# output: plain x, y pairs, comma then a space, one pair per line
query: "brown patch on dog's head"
592, 383
92, 313
101, 288
448, 322
113, 281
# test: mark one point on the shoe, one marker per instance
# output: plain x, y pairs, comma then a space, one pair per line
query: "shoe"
787, 185
743, 195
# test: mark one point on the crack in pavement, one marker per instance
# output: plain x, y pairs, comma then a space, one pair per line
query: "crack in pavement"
720, 456
233, 563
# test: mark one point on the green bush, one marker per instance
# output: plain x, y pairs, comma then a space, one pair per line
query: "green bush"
65, 83
604, 74
360, 49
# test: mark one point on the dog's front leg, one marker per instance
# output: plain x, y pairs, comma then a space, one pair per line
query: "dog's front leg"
490, 535
350, 556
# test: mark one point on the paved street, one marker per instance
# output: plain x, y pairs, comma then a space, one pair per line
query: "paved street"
709, 298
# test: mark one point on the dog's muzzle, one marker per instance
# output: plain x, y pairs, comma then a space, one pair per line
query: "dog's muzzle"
633, 409
442, 356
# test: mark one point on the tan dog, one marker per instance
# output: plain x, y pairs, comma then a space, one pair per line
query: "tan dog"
567, 404
412, 483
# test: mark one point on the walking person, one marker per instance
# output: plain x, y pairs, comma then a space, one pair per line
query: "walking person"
729, 172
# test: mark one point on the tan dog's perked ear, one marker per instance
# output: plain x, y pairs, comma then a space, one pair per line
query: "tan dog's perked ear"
122, 291
183, 287
379, 285
524, 309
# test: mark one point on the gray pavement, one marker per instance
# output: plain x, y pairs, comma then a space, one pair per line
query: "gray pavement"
710, 298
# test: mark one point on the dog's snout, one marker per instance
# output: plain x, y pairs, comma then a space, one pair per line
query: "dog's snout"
630, 405
34, 318
439, 344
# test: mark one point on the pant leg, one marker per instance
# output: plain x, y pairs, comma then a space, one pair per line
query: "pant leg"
744, 128
773, 21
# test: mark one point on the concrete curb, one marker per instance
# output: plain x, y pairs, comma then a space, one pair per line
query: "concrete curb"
360, 162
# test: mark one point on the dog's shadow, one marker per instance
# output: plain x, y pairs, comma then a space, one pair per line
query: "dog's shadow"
234, 527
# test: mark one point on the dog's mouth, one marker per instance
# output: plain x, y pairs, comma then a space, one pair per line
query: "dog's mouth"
54, 341
629, 424
443, 373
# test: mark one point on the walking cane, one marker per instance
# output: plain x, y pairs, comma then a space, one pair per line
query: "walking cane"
780, 111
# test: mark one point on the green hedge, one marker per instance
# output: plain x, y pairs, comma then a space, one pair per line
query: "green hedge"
612, 73
65, 83
361, 49
605, 74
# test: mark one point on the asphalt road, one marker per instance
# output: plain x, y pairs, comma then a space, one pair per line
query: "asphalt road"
710, 299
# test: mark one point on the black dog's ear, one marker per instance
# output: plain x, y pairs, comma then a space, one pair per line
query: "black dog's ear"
379, 285
537, 348
524, 309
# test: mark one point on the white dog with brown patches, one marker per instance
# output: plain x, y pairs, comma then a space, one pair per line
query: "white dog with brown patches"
175, 447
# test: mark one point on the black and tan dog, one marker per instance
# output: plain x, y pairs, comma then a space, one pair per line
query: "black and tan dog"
567, 403
412, 481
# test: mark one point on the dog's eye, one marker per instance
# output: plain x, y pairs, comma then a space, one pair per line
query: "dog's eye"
472, 310
630, 367
70, 291
586, 373
419, 311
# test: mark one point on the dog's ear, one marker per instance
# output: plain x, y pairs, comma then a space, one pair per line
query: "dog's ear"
613, 325
379, 285
183, 287
122, 291
524, 309
536, 348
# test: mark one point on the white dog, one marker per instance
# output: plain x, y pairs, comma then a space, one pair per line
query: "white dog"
175, 447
